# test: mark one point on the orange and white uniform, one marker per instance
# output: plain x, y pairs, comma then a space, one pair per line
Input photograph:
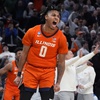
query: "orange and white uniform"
11, 91
42, 57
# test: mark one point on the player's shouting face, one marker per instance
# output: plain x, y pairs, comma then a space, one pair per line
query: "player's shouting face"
52, 19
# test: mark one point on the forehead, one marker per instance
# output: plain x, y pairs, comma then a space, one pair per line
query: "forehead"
20, 51
53, 12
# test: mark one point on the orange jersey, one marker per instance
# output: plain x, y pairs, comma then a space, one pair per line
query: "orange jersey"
11, 77
43, 50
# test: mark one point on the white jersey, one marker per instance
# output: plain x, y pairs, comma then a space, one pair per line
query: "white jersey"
9, 55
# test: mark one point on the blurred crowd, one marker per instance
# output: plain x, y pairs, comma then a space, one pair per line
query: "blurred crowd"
80, 23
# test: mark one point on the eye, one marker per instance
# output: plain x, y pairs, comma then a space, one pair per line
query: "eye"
54, 15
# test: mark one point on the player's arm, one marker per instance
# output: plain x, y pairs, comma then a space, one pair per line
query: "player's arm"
23, 58
60, 71
21, 63
6, 68
60, 67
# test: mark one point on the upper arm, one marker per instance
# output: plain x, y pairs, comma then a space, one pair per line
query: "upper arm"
25, 50
23, 57
61, 58
6, 68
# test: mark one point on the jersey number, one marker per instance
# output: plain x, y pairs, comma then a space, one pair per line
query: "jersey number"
43, 51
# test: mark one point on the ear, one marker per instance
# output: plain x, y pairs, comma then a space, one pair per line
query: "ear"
46, 17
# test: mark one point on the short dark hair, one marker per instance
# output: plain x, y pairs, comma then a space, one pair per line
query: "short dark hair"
83, 42
18, 49
48, 8
51, 7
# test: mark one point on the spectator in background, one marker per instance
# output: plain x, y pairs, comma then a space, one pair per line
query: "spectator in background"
90, 7
28, 13
76, 10
11, 34
98, 16
97, 37
43, 8
78, 40
7, 54
64, 14
97, 3
91, 18
10, 6
67, 35
20, 7
61, 25
84, 48
85, 80
82, 26
8, 18
72, 24
48, 2
38, 4
96, 64
33, 20
68, 5
2, 8
81, 3
73, 19
68, 82
91, 39
75, 47
94, 20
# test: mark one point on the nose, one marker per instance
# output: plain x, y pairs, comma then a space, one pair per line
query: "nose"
57, 18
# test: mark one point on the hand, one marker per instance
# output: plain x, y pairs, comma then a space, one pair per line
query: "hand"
96, 50
17, 80
56, 87
80, 53
81, 86
89, 63
1, 89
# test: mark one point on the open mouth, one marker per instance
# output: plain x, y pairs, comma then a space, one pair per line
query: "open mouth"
54, 23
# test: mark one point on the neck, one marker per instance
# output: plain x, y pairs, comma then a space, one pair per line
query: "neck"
48, 29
